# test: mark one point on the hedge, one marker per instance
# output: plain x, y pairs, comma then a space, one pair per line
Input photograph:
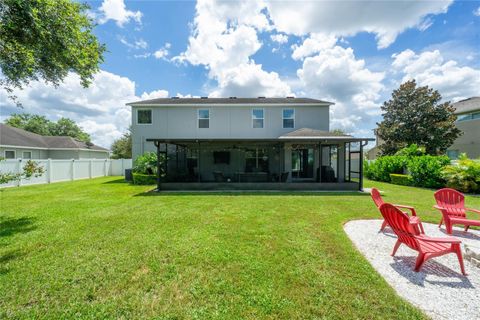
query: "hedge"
426, 171
144, 179
401, 179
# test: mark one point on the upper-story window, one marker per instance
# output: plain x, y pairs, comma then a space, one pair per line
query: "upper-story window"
257, 118
204, 118
289, 118
468, 116
144, 116
10, 154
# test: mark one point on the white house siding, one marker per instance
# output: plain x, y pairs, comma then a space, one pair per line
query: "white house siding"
36, 153
226, 122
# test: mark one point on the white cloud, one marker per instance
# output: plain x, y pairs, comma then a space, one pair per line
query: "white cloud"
154, 94
314, 44
279, 38
386, 19
100, 109
335, 74
223, 40
477, 12
163, 52
137, 44
430, 68
117, 11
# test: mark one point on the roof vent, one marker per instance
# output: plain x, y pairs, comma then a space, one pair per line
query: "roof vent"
175, 97
203, 97
261, 97
290, 97
233, 98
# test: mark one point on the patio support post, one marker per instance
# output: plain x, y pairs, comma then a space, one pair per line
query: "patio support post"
198, 161
157, 144
166, 160
360, 178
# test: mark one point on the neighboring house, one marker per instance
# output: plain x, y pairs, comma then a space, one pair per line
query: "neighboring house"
17, 143
468, 120
246, 143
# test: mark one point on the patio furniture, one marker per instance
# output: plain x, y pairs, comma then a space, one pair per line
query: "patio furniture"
284, 176
218, 176
451, 204
414, 220
426, 246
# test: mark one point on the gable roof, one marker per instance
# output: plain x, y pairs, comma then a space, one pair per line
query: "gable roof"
15, 137
231, 100
467, 105
313, 133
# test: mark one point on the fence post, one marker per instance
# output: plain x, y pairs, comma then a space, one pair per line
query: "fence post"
90, 169
123, 167
105, 168
49, 170
19, 171
73, 170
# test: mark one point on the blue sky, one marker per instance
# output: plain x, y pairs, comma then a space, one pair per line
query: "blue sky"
353, 53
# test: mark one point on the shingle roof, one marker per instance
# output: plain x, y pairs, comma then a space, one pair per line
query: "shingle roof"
231, 100
467, 105
312, 133
11, 136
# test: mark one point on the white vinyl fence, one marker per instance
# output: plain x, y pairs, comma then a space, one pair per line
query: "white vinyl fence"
66, 170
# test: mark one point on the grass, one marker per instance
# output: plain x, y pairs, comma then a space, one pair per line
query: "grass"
104, 249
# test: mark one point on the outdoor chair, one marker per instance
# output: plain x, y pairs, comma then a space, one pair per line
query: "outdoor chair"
414, 220
427, 247
284, 176
218, 176
451, 204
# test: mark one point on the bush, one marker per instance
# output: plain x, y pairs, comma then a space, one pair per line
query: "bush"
426, 171
464, 177
401, 179
146, 164
381, 168
144, 179
412, 150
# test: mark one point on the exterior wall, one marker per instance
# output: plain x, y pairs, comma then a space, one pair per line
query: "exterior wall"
63, 154
469, 142
36, 153
83, 154
227, 122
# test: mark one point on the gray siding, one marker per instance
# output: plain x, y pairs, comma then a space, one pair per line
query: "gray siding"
228, 122
56, 154
36, 153
469, 142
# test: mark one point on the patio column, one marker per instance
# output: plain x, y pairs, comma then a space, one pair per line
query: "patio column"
157, 144
360, 161
288, 161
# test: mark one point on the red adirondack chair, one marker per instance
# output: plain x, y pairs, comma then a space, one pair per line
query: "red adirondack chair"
377, 199
427, 247
451, 204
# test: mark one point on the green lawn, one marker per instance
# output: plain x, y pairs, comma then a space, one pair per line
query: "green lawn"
106, 249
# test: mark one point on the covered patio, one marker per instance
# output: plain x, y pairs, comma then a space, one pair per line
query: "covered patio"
305, 159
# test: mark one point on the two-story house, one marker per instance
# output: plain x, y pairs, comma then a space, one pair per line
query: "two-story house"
246, 143
468, 120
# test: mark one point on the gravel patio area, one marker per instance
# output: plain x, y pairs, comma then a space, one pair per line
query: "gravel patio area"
439, 289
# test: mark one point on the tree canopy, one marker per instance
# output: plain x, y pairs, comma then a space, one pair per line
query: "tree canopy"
414, 115
46, 39
41, 125
122, 147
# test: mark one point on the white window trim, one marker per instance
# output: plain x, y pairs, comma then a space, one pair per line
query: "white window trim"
198, 117
23, 154
263, 118
294, 116
14, 154
145, 124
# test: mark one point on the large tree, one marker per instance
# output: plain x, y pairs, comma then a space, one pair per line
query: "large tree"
41, 125
122, 147
414, 115
46, 39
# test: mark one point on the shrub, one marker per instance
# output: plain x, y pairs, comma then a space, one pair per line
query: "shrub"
401, 179
381, 168
144, 179
426, 171
464, 177
412, 150
146, 163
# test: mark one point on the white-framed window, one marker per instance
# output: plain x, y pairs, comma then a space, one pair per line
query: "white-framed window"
258, 117
27, 155
288, 116
144, 116
9, 154
203, 118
